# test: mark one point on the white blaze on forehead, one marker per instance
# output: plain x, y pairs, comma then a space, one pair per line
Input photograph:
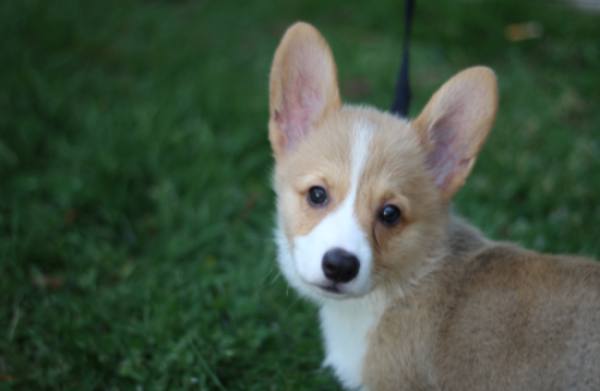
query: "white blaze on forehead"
341, 227
360, 152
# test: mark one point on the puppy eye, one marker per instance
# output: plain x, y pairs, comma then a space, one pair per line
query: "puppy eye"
389, 215
317, 196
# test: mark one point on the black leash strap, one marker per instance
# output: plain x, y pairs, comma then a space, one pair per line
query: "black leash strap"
402, 97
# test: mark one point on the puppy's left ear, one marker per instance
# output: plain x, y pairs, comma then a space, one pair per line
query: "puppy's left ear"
455, 123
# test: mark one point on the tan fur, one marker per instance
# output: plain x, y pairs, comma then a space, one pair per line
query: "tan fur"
463, 312
493, 318
314, 163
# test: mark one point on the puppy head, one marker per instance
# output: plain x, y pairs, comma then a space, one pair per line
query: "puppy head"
362, 196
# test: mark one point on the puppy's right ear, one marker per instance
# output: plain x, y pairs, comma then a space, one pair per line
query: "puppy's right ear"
303, 86
454, 125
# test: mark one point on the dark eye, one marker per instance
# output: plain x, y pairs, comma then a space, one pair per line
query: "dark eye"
389, 215
317, 196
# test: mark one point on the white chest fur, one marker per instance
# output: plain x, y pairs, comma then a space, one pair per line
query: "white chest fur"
346, 327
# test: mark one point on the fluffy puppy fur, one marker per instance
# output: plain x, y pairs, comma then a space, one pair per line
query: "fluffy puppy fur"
433, 304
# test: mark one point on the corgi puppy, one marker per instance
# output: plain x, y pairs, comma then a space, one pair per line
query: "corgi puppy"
411, 297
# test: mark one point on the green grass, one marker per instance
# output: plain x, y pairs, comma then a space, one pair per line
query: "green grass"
135, 207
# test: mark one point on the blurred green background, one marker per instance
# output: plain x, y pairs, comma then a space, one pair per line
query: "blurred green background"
135, 204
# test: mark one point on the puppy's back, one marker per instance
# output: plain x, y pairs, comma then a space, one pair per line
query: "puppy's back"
519, 320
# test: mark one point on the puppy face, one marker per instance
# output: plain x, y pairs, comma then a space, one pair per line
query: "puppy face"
362, 195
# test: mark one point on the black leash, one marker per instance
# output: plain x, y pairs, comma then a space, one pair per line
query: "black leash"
402, 97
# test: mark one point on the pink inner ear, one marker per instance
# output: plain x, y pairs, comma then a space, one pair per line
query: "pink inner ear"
302, 105
447, 157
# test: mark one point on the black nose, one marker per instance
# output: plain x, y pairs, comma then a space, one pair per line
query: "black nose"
340, 265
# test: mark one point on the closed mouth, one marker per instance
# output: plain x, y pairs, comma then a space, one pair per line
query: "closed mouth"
332, 288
